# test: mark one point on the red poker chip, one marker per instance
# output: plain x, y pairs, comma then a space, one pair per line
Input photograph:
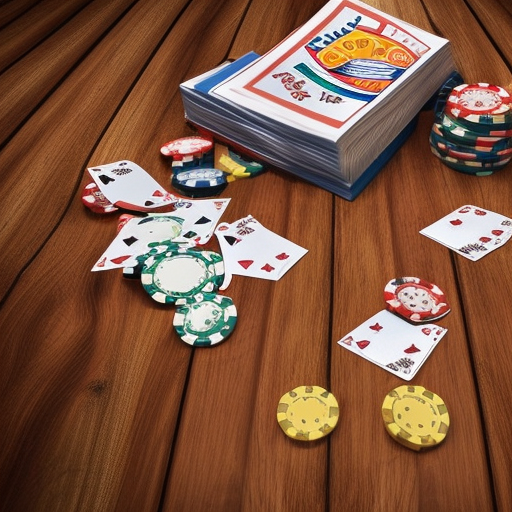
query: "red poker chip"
478, 99
415, 299
94, 199
184, 147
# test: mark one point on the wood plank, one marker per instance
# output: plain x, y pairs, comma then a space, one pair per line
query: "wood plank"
241, 459
30, 80
29, 29
11, 9
103, 79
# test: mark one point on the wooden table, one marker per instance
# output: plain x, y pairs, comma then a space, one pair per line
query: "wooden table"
103, 407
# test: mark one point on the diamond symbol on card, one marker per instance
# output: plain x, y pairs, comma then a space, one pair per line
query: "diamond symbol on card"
282, 256
246, 263
267, 267
497, 232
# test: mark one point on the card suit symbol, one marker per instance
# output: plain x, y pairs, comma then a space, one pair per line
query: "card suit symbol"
231, 240
412, 349
439, 331
267, 268
480, 212
203, 220
348, 340
246, 263
497, 232
158, 193
282, 256
426, 330
129, 241
362, 344
466, 209
218, 204
222, 228
485, 239
149, 203
456, 222
377, 327
105, 179
119, 259
101, 263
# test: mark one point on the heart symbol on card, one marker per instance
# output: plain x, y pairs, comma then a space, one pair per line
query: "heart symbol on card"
426, 331
456, 222
377, 327
246, 263
105, 179
363, 344
119, 259
412, 349
484, 239
480, 212
282, 256
267, 268
348, 340
497, 232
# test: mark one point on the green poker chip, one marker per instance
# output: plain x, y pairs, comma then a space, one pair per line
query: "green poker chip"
180, 272
205, 320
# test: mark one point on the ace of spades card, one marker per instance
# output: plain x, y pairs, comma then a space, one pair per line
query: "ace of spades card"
393, 344
250, 249
126, 184
470, 231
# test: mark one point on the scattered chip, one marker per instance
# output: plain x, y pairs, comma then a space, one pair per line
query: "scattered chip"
307, 413
205, 320
95, 200
200, 182
181, 272
415, 417
187, 148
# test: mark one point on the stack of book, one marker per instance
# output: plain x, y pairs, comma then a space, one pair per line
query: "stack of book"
332, 102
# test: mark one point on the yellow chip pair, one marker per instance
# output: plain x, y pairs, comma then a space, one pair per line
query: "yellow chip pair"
415, 417
307, 413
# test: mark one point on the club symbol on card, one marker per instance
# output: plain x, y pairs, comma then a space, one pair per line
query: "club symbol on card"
232, 240
377, 327
203, 220
412, 349
426, 330
129, 241
282, 256
267, 268
362, 344
456, 222
246, 263
105, 179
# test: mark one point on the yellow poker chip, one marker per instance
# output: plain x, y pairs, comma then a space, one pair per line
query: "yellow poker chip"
415, 417
308, 413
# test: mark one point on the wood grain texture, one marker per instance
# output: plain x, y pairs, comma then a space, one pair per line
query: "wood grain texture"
105, 409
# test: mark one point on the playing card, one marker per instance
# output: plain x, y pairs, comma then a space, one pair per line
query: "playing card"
133, 237
250, 249
393, 344
128, 185
470, 231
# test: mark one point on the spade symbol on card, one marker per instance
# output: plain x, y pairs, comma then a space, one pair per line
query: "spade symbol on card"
105, 179
203, 220
129, 241
246, 263
231, 240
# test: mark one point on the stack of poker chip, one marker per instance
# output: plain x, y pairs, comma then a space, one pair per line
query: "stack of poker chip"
472, 134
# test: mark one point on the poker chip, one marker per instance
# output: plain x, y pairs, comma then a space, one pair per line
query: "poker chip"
181, 272
415, 417
307, 413
200, 182
480, 103
235, 165
415, 299
205, 320
453, 81
94, 199
186, 148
